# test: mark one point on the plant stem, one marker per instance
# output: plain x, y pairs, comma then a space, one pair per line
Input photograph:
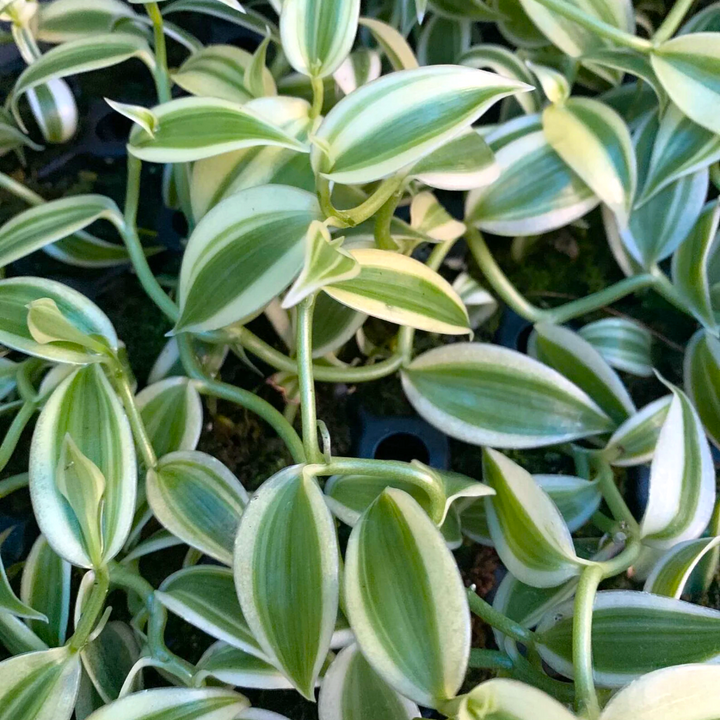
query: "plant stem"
305, 377
318, 88
586, 700
496, 619
383, 237
13, 483
207, 386
14, 432
489, 660
664, 287
673, 21
321, 373
20, 191
615, 500
92, 609
357, 215
596, 26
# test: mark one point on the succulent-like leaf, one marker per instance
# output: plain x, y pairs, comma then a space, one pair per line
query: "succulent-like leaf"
198, 499
85, 407
243, 253
595, 142
172, 413
317, 37
241, 669
633, 633
352, 690
40, 685
623, 343
412, 621
671, 573
702, 381
401, 290
488, 395
369, 134
286, 574
527, 529
393, 44
687, 67
204, 596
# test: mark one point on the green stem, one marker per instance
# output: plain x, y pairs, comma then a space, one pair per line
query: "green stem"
14, 483
20, 191
497, 620
673, 21
664, 287
12, 437
321, 373
318, 88
364, 211
489, 660
207, 386
305, 378
92, 609
383, 237
596, 26
515, 300
615, 500
586, 700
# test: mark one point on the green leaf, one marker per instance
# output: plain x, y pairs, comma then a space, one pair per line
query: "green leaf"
326, 262
412, 621
238, 668
402, 290
334, 325
475, 10
79, 56
536, 191
526, 527
317, 37
682, 478
352, 690
595, 142
399, 54
286, 574
16, 294
242, 254
576, 359
554, 84
634, 442
87, 251
256, 73
219, 71
688, 67
702, 380
633, 633
464, 163
693, 689
626, 61
174, 704
488, 395
40, 685
11, 137
480, 304
516, 27
55, 111
672, 572
443, 40
143, 116
198, 499
504, 698
359, 68
64, 20
84, 406
39, 226
385, 126
204, 596
249, 18
199, 127
172, 413
624, 344
45, 585
690, 265
9, 602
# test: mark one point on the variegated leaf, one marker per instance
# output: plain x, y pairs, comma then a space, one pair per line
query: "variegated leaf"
65, 20
246, 17
238, 668
624, 344
429, 217
358, 69
9, 601
672, 572
392, 43
443, 40
479, 303
55, 111
702, 381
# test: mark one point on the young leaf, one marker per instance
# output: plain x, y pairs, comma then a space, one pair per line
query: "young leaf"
687, 67
204, 596
672, 572
702, 380
554, 84
384, 126
633, 633
143, 116
317, 37
624, 344
238, 668
39, 226
198, 499
412, 621
45, 585
682, 478
286, 574
399, 54
40, 685
536, 191
690, 265
595, 142
325, 263
242, 254
200, 127
174, 704
402, 290
480, 304
488, 395
256, 73
527, 528
634, 442
352, 690
172, 413
85, 407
